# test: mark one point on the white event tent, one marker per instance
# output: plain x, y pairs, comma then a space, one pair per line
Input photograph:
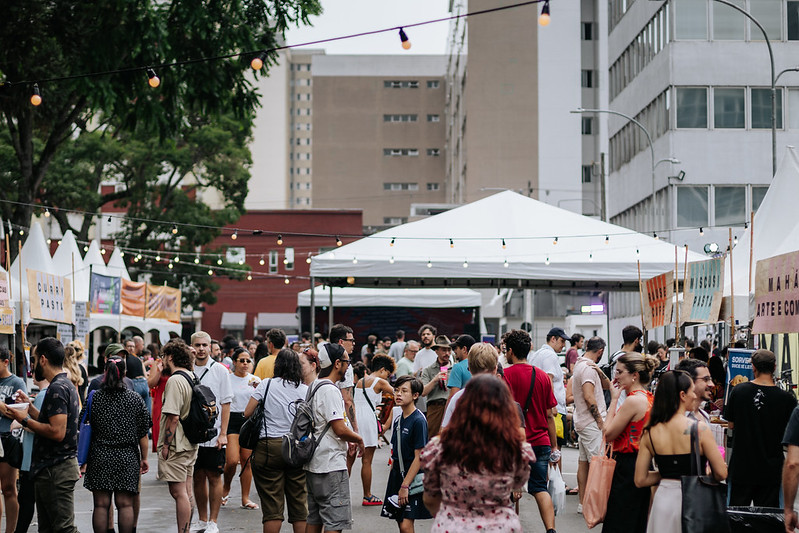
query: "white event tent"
365, 297
776, 232
504, 240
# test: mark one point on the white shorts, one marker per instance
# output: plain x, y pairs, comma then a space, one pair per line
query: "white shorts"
589, 443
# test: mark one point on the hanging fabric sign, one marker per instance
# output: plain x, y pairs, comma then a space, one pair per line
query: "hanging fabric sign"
50, 297
703, 291
658, 296
163, 302
104, 294
777, 294
133, 297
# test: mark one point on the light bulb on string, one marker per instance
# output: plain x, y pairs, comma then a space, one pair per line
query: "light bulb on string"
21, 232
261, 261
210, 272
174, 229
109, 219
503, 244
505, 264
121, 254
391, 260
36, 97
392, 242
241, 261
177, 259
138, 257
607, 239
102, 251
157, 258
47, 213
746, 225
170, 266
219, 261
338, 241
235, 235
465, 263
590, 257
543, 19
701, 231
637, 253
555, 242
287, 281
451, 244
50, 241
354, 260
308, 259
197, 260
546, 262
59, 242
85, 248
406, 43
655, 235
279, 240
285, 261
429, 264
735, 240
152, 80
258, 61
249, 277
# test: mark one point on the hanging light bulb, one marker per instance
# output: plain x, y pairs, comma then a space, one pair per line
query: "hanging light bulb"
197, 260
655, 235
50, 241
219, 261
257, 62
429, 264
505, 264
152, 80
392, 242
735, 240
174, 229
391, 260
746, 225
547, 261
241, 261
59, 242
637, 253
102, 251
85, 248
279, 240
406, 43
701, 230
21, 232
109, 219
607, 239
590, 257
157, 258
308, 259
338, 241
210, 272
177, 259
235, 235
543, 19
36, 97
354, 260
121, 254
46, 212
503, 244
555, 242
286, 281
249, 277
170, 266
138, 257
285, 260
451, 244
261, 262
465, 263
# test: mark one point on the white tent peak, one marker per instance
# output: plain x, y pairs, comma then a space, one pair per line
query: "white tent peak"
35, 256
116, 265
63, 263
94, 259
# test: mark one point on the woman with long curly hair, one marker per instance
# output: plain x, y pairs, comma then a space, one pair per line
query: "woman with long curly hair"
479, 460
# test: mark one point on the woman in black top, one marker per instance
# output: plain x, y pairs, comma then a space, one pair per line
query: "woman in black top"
667, 440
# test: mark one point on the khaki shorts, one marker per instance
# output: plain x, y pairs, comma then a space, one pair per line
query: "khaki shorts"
589, 443
178, 467
277, 483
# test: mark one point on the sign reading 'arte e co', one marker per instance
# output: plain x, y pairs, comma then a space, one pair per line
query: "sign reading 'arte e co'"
777, 294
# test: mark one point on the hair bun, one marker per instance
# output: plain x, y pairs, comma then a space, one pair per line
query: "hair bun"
652, 362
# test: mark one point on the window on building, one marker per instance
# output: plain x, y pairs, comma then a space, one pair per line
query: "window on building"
432, 84
729, 108
730, 205
793, 20
288, 259
435, 152
273, 260
587, 173
433, 186
396, 152
587, 125
692, 206
413, 84
769, 14
793, 109
433, 118
761, 108
690, 19
587, 79
587, 31
395, 220
758, 193
728, 23
691, 107
400, 186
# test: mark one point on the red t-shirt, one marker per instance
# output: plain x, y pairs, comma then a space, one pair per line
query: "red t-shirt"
157, 393
535, 422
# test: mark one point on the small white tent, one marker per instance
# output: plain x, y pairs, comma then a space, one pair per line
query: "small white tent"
503, 240
94, 259
35, 256
363, 297
63, 259
776, 231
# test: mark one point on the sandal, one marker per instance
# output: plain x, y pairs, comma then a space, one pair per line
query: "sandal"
252, 506
225, 499
372, 500
572, 492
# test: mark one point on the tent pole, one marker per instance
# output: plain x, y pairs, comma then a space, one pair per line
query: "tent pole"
330, 308
732, 293
313, 312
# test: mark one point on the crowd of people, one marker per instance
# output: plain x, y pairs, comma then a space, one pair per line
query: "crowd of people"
471, 426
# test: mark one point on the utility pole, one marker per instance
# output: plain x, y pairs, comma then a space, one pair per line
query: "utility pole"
603, 201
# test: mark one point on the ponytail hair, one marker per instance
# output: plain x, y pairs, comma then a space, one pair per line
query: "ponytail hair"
114, 372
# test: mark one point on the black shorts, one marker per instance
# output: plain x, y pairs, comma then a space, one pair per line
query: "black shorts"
234, 423
210, 459
12, 448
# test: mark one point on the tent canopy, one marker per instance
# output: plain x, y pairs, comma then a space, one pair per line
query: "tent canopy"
504, 240
363, 297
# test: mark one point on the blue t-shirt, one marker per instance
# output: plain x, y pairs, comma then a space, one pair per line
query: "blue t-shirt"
8, 386
459, 375
414, 437
28, 436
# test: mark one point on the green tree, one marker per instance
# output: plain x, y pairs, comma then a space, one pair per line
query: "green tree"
193, 127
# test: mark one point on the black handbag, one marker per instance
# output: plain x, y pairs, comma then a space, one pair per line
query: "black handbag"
250, 432
704, 500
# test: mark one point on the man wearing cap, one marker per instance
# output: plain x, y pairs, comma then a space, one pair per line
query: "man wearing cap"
434, 379
758, 411
546, 358
117, 352
460, 374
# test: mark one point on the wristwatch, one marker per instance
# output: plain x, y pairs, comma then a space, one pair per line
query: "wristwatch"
24, 421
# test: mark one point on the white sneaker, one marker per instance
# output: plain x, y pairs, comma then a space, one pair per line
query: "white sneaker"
199, 527
211, 527
579, 508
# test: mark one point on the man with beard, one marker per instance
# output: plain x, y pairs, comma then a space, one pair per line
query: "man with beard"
344, 337
54, 463
702, 386
424, 358
434, 379
326, 479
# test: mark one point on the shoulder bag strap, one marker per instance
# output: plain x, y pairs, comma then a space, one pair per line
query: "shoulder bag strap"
695, 463
206, 371
263, 403
399, 445
367, 396
88, 412
530, 392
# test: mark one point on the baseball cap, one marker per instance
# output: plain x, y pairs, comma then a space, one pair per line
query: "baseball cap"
113, 349
761, 357
325, 351
464, 341
558, 332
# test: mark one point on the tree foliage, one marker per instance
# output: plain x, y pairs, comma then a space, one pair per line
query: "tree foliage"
165, 147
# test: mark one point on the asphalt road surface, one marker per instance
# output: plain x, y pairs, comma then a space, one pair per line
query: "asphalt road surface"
158, 512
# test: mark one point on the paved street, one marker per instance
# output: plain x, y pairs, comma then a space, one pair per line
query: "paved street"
157, 512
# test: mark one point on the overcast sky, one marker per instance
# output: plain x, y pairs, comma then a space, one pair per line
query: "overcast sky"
346, 17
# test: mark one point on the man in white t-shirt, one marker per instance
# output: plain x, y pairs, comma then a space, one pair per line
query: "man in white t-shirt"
326, 476
588, 382
426, 356
547, 359
210, 462
398, 348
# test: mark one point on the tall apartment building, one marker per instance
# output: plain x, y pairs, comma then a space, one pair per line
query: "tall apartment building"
378, 135
511, 85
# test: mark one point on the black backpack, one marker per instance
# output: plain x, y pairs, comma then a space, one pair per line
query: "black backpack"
300, 444
198, 426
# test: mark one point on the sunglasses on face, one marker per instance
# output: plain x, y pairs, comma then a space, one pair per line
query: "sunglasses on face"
244, 360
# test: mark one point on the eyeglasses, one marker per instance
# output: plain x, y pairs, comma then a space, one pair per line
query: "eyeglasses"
706, 379
347, 361
351, 339
245, 360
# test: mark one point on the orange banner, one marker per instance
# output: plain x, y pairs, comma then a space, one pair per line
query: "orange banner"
133, 297
658, 295
163, 302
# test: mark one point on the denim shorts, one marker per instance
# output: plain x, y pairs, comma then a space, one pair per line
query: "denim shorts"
539, 470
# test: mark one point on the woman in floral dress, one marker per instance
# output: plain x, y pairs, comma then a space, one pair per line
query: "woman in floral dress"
478, 462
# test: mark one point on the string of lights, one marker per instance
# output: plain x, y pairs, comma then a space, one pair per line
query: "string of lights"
259, 56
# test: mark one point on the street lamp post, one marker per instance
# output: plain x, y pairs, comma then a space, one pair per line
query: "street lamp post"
580, 110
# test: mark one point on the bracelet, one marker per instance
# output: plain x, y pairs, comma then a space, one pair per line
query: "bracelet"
405, 487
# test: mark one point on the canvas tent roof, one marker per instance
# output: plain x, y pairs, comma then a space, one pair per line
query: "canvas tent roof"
364, 297
776, 231
35, 256
589, 254
62, 262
